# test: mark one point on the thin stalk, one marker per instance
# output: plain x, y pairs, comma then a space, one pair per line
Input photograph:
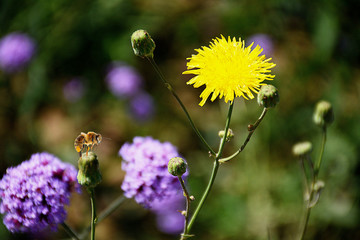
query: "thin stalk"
70, 231
170, 88
306, 220
104, 214
251, 131
214, 170
315, 177
187, 196
323, 141
93, 213
305, 179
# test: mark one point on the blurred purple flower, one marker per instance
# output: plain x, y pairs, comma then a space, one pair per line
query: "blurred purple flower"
34, 193
123, 80
147, 178
73, 90
142, 106
168, 216
16, 51
264, 41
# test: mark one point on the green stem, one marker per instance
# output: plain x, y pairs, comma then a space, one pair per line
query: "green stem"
105, 213
169, 87
70, 231
251, 131
93, 213
323, 141
187, 196
316, 170
214, 170
306, 220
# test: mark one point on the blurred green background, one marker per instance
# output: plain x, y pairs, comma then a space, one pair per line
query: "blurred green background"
258, 193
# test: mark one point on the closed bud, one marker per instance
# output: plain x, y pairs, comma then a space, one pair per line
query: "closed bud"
229, 135
323, 114
89, 174
302, 148
268, 96
142, 44
177, 166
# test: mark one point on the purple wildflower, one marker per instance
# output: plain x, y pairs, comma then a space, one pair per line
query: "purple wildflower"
264, 41
73, 90
147, 178
123, 80
142, 106
16, 51
168, 216
34, 193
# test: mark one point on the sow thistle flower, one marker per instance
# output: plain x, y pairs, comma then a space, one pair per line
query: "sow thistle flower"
229, 69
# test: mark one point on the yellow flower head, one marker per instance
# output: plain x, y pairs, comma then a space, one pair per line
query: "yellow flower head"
228, 68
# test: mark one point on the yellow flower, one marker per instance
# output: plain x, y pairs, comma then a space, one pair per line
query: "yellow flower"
229, 69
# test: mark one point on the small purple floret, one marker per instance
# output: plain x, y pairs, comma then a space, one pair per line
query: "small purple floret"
16, 51
142, 106
73, 90
34, 193
264, 41
123, 80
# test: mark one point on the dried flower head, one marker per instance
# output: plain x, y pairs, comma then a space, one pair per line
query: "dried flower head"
229, 69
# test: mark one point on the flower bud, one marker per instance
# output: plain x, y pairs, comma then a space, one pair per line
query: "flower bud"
89, 173
323, 114
229, 136
302, 148
177, 166
142, 44
268, 96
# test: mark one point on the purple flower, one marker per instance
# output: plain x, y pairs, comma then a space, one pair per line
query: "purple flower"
264, 41
73, 90
168, 216
34, 193
147, 178
142, 106
123, 80
16, 51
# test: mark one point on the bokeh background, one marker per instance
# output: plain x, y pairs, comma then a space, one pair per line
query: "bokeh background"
315, 45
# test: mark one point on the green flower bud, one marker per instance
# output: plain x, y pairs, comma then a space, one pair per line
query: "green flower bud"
268, 96
177, 166
89, 173
323, 114
142, 44
302, 148
229, 136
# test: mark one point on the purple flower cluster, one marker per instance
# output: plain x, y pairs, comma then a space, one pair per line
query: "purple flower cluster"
126, 83
264, 41
147, 178
16, 51
34, 193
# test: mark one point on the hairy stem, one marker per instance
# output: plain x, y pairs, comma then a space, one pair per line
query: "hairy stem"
187, 196
169, 87
251, 131
93, 212
104, 214
214, 170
